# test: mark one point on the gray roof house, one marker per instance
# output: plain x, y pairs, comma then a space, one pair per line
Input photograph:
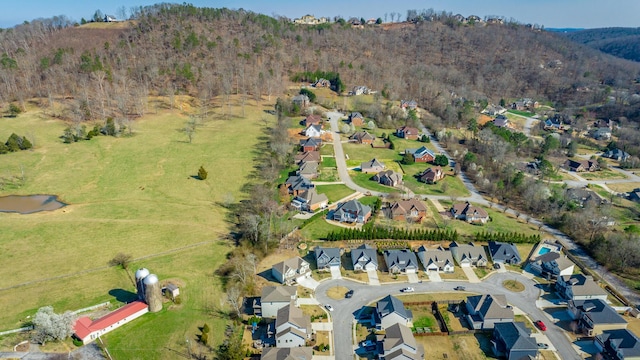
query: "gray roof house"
398, 343
292, 327
390, 310
594, 316
616, 154
372, 166
579, 287
388, 177
297, 184
310, 200
487, 310
506, 253
552, 264
401, 261
301, 100
467, 255
308, 169
364, 258
290, 270
327, 258
275, 298
513, 340
620, 344
351, 211
295, 353
438, 260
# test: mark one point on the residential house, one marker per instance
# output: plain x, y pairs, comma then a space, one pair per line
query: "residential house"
360, 90
553, 123
310, 200
274, 298
310, 144
401, 261
110, 18
294, 353
551, 265
581, 165
413, 210
364, 258
579, 287
398, 343
620, 344
313, 120
356, 119
327, 258
524, 104
390, 310
603, 123
408, 104
292, 327
290, 270
467, 255
513, 340
602, 133
484, 311
616, 154
87, 330
301, 101
307, 156
352, 211
308, 169
504, 253
297, 184
501, 121
409, 133
469, 213
421, 155
474, 19
313, 131
431, 175
438, 260
595, 316
583, 196
322, 83
494, 110
372, 166
362, 137
634, 195
388, 177
310, 20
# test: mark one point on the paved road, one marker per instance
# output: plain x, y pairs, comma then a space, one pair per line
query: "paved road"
345, 310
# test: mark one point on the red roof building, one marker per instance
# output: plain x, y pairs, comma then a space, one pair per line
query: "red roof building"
87, 330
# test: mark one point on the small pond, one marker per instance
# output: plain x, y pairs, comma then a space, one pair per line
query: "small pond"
27, 204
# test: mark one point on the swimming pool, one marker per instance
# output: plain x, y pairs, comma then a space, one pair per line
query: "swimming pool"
543, 250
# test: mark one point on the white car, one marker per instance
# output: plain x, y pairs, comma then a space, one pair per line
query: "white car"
408, 289
328, 307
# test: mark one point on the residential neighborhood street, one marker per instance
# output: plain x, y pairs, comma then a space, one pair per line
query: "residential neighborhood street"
346, 310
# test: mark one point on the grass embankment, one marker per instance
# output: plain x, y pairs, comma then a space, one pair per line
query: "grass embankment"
135, 195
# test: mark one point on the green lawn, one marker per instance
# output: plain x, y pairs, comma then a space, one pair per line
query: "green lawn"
453, 185
135, 195
334, 192
519, 112
365, 181
328, 161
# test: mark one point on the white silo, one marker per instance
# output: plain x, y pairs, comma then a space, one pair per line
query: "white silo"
140, 275
152, 293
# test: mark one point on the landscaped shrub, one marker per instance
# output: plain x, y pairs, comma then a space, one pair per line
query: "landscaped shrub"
512, 237
377, 232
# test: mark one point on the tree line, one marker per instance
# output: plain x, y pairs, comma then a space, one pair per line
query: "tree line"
379, 233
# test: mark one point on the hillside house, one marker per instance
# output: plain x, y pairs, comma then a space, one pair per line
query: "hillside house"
297, 184
601, 133
581, 165
501, 121
408, 104
412, 210
616, 154
356, 119
364, 258
313, 119
484, 311
494, 110
301, 101
407, 132
401, 261
431, 175
290, 270
351, 211
322, 83
469, 213
388, 177
362, 137
372, 166
438, 260
421, 155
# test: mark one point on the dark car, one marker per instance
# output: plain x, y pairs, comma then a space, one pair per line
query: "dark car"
543, 346
496, 266
349, 294
459, 288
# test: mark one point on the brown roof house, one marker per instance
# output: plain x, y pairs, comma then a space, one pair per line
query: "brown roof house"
310, 200
581, 165
399, 343
307, 156
484, 311
388, 177
412, 209
313, 120
290, 270
469, 213
409, 133
431, 175
372, 166
356, 119
293, 327
408, 104
362, 137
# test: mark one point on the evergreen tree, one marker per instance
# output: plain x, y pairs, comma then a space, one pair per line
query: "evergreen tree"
202, 173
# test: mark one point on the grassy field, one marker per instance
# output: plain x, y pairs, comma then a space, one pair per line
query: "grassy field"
135, 195
463, 347
452, 185
334, 192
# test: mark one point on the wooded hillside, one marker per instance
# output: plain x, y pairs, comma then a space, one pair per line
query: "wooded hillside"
171, 49
620, 42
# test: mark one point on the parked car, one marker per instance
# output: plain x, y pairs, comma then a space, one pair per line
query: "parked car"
543, 346
459, 288
328, 307
349, 294
408, 289
496, 266
541, 325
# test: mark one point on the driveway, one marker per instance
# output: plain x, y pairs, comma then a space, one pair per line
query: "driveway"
308, 282
413, 278
373, 277
471, 275
434, 276
335, 272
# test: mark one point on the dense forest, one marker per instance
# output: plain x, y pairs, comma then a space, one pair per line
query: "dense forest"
620, 42
107, 71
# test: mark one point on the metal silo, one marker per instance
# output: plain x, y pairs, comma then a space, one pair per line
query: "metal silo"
152, 293
140, 275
